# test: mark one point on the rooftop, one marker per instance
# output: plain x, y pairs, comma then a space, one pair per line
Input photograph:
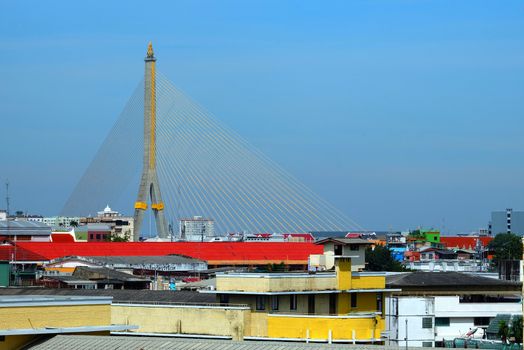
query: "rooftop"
448, 281
118, 295
215, 253
24, 227
129, 342
49, 300
344, 241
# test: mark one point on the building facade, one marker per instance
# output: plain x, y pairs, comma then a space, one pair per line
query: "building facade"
506, 221
344, 306
196, 229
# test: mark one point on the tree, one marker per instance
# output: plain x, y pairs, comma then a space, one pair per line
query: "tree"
516, 328
503, 332
73, 223
380, 259
507, 246
117, 238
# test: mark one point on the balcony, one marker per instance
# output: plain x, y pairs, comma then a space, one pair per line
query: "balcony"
358, 327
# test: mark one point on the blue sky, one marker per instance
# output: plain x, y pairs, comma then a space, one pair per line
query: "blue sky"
400, 113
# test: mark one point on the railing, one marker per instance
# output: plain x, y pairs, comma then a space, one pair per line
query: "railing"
177, 303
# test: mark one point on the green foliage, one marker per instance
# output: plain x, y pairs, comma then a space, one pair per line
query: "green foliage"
117, 238
507, 246
380, 259
516, 328
503, 332
73, 223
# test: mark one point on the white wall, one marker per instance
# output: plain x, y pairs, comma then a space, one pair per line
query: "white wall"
402, 312
462, 315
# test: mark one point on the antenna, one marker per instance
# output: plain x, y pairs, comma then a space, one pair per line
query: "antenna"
7, 198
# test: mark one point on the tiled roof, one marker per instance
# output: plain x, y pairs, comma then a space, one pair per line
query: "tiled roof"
464, 242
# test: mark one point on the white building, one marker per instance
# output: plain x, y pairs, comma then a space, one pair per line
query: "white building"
120, 225
60, 221
197, 229
433, 307
430, 320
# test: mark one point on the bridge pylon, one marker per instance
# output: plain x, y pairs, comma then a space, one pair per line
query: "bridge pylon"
149, 185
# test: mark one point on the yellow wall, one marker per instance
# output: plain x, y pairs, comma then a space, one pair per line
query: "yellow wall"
343, 273
184, 320
55, 316
265, 284
368, 282
16, 341
366, 302
258, 326
296, 327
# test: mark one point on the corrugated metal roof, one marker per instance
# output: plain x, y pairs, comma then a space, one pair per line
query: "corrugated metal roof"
120, 295
215, 253
76, 342
24, 228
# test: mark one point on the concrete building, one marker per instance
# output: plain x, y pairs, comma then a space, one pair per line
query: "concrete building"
333, 247
60, 221
11, 230
342, 306
196, 229
25, 319
434, 307
506, 221
120, 226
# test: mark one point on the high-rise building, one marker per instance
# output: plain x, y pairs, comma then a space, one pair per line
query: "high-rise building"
197, 229
506, 221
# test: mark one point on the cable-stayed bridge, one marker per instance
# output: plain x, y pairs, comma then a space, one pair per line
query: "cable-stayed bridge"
204, 168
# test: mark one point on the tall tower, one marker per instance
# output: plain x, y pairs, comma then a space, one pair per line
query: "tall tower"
149, 186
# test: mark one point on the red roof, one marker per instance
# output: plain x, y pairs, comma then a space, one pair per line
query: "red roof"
62, 238
464, 242
215, 253
9, 253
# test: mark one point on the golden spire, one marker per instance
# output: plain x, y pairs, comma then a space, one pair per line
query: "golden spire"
150, 53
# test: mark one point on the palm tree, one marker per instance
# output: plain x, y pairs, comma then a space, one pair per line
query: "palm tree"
503, 332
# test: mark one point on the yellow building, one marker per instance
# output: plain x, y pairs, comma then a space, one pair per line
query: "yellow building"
330, 306
24, 319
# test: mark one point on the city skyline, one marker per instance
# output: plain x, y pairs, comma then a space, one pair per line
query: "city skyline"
440, 148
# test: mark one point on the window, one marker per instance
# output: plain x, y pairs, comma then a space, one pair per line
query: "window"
442, 321
427, 344
224, 299
311, 304
427, 322
261, 303
274, 302
353, 247
292, 302
481, 321
338, 250
332, 304
379, 302
353, 300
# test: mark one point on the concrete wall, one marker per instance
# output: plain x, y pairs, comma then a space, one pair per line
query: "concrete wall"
186, 319
405, 316
275, 282
55, 316
285, 326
